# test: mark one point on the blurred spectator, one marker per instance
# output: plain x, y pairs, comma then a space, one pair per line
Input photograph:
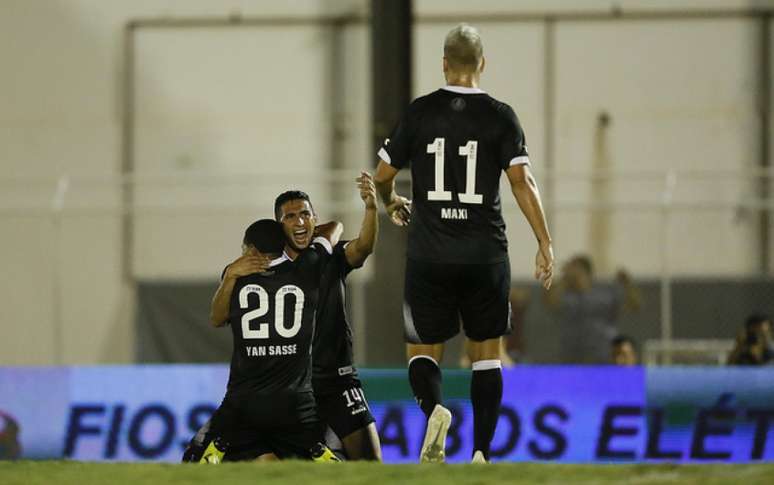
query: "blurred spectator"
753, 343
588, 311
10, 449
622, 351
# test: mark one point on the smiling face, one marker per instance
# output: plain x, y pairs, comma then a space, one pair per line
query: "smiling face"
298, 220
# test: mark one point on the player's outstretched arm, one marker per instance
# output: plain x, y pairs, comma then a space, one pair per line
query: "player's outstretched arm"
251, 262
526, 192
397, 207
359, 249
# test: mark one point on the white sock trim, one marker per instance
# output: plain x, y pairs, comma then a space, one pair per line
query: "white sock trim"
424, 357
487, 364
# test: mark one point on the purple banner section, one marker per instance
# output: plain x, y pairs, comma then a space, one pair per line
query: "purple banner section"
112, 413
551, 414
548, 414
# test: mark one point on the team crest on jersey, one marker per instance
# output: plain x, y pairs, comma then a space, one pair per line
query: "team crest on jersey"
458, 104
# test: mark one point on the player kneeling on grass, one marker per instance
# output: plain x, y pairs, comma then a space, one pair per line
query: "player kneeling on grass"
269, 409
341, 402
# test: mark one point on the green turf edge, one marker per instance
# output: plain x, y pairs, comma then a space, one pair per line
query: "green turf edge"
303, 473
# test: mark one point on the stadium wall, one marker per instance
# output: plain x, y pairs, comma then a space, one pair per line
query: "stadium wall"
62, 110
549, 414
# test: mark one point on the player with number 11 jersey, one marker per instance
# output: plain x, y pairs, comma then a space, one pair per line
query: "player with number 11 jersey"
458, 141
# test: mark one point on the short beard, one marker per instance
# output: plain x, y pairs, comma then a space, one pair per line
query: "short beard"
293, 245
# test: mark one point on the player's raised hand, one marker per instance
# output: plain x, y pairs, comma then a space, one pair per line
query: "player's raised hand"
544, 265
399, 211
365, 183
251, 262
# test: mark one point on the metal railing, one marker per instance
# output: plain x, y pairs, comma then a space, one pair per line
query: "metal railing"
53, 199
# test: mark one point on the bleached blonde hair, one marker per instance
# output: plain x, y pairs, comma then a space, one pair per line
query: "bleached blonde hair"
463, 48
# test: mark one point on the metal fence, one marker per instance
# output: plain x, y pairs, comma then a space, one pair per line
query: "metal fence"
182, 203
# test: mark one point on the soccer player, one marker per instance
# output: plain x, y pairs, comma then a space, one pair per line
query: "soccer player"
269, 408
338, 391
341, 402
457, 141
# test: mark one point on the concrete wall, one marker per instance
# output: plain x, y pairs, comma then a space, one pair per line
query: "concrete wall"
679, 94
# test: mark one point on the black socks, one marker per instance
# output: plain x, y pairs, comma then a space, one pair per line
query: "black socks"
425, 379
486, 393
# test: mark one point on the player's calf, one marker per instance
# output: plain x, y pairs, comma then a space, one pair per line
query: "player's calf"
425, 379
486, 392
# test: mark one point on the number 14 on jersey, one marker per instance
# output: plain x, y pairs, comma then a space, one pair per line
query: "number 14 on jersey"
440, 193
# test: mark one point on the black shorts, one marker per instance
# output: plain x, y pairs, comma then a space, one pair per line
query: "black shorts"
251, 426
342, 406
437, 295
287, 443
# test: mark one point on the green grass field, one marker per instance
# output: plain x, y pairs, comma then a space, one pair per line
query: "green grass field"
299, 473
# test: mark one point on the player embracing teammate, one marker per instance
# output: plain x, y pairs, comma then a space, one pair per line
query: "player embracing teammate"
292, 369
457, 141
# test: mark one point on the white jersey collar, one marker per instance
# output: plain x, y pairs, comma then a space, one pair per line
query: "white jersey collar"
464, 90
280, 260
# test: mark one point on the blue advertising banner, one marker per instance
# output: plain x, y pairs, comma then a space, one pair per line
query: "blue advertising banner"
549, 413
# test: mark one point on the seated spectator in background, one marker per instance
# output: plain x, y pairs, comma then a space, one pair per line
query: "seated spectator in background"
588, 311
622, 351
10, 449
753, 343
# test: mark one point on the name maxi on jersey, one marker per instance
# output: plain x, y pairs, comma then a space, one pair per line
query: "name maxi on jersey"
454, 213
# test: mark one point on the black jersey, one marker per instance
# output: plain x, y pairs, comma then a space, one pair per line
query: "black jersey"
332, 347
272, 318
457, 142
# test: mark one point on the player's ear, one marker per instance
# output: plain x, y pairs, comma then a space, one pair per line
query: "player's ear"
483, 65
445, 65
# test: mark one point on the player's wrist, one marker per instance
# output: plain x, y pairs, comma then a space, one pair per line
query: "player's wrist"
390, 199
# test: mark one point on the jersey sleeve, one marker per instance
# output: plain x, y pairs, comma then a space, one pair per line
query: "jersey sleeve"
513, 145
396, 149
223, 275
340, 258
316, 257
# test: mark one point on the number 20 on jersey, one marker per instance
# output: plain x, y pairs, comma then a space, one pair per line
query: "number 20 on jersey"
262, 332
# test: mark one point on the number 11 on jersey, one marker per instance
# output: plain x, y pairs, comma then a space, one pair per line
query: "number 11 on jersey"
469, 150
